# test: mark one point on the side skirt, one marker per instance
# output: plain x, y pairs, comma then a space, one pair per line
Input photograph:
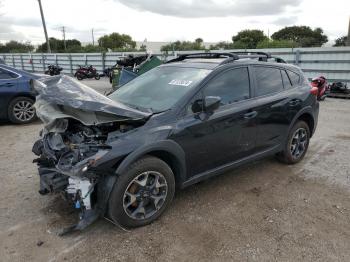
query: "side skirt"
229, 166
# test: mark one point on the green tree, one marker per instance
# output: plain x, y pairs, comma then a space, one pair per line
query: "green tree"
184, 46
222, 45
143, 47
93, 49
341, 41
57, 46
303, 36
16, 47
117, 42
198, 44
276, 44
248, 38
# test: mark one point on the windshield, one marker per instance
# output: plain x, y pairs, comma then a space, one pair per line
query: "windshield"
159, 89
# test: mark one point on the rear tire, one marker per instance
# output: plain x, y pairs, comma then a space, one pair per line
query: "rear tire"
142, 193
21, 110
296, 145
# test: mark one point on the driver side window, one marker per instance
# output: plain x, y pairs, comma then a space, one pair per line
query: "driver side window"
231, 86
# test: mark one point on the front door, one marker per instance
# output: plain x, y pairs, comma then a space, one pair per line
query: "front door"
211, 140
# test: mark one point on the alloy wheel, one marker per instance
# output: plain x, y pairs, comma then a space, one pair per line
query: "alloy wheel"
298, 143
24, 111
145, 195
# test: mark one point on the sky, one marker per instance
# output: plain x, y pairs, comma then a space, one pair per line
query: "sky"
167, 20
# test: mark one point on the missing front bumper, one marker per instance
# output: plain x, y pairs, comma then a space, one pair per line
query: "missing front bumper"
89, 196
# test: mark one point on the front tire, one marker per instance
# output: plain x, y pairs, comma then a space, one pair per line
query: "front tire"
297, 144
80, 76
21, 110
97, 77
142, 193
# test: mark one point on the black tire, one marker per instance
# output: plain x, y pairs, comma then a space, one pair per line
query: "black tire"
290, 156
80, 76
28, 113
97, 77
116, 206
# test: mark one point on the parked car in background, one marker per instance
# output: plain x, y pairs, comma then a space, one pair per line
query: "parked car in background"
199, 115
16, 96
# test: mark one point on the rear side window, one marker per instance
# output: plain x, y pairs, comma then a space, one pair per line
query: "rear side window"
269, 80
4, 74
231, 85
286, 81
294, 78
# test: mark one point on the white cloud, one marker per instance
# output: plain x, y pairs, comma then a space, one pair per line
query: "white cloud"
211, 8
167, 20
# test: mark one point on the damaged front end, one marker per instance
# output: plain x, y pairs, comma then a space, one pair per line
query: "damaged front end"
76, 137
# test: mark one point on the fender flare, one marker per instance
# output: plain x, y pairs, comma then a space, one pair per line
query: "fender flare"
168, 146
307, 110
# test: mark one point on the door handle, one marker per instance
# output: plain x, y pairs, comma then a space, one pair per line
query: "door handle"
250, 115
294, 102
7, 84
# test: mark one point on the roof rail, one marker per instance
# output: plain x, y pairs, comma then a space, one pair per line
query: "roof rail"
204, 55
279, 60
267, 55
261, 55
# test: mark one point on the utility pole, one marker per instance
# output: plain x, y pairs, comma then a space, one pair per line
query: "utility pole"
348, 40
93, 38
44, 26
64, 37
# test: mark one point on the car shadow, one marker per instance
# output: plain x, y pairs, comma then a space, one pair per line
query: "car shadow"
4, 122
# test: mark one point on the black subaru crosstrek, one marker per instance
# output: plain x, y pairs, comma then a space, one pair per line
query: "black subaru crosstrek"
197, 116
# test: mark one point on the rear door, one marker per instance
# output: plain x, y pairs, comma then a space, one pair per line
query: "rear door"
226, 135
274, 100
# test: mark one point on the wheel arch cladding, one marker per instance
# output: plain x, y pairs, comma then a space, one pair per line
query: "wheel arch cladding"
172, 162
305, 115
168, 151
309, 120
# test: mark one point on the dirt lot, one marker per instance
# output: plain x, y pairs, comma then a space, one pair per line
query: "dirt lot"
265, 211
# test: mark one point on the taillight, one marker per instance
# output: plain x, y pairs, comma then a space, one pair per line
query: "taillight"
314, 90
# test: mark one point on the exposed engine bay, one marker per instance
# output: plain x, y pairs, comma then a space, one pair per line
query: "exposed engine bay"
67, 161
79, 126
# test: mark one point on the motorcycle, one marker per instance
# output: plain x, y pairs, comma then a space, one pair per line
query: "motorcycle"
53, 70
321, 84
86, 72
339, 87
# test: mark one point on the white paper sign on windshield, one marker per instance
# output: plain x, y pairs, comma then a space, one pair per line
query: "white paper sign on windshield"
178, 82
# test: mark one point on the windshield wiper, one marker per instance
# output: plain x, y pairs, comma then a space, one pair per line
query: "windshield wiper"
144, 109
158, 112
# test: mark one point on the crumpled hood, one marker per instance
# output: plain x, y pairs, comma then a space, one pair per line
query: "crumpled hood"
63, 97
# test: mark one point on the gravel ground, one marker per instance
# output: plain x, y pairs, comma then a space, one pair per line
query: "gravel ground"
265, 211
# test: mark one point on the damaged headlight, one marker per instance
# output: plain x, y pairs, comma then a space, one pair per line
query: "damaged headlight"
66, 164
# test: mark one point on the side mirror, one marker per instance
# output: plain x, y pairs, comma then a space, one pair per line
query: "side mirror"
197, 106
210, 104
